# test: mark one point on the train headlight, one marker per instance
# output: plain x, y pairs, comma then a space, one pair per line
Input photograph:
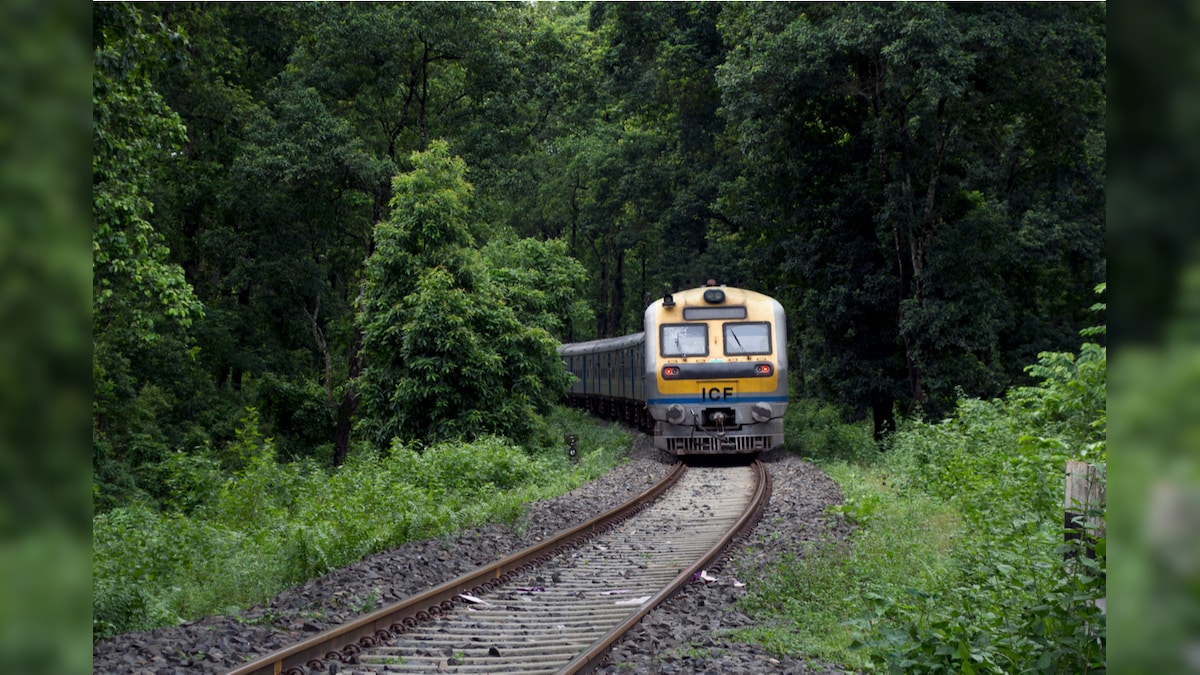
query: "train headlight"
761, 412
675, 413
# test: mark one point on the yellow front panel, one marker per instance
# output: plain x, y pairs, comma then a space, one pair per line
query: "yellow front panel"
745, 385
757, 310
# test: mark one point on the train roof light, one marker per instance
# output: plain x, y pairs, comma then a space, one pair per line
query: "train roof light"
714, 296
668, 300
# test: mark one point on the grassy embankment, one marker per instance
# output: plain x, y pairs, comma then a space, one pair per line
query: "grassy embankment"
229, 541
957, 561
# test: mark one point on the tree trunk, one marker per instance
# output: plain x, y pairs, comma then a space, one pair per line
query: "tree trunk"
349, 403
345, 420
883, 415
617, 307
323, 346
602, 288
911, 360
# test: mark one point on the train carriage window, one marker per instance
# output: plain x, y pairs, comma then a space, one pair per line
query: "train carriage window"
684, 340
742, 339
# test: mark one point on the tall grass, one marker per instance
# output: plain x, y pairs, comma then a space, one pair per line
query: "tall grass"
236, 540
902, 545
957, 563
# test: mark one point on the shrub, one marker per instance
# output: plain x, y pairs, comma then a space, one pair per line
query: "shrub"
1009, 612
151, 569
486, 465
993, 589
236, 540
1016, 603
815, 429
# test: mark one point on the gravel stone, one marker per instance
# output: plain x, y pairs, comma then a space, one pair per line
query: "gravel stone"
688, 634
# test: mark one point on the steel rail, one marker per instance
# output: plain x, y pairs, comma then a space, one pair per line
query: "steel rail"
589, 659
343, 642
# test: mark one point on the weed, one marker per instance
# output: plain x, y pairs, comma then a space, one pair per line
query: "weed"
520, 526
266, 619
803, 604
369, 603
692, 652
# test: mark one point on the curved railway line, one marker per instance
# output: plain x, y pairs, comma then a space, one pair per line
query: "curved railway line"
555, 607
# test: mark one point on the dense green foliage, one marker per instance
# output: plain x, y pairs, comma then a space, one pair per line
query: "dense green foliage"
45, 345
371, 223
957, 562
452, 352
921, 185
233, 540
134, 131
928, 182
140, 298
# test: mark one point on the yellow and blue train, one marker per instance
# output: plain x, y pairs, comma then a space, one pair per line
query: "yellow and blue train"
707, 375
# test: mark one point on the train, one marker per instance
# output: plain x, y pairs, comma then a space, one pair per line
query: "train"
708, 374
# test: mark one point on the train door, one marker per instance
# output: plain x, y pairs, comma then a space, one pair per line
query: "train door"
638, 375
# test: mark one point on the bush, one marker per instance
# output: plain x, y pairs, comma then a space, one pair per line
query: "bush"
958, 562
129, 553
152, 569
1016, 603
1009, 611
237, 540
815, 430
483, 466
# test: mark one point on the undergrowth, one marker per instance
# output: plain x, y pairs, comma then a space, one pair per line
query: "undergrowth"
957, 561
232, 541
902, 542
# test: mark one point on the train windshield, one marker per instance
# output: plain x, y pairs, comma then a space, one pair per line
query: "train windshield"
743, 339
684, 340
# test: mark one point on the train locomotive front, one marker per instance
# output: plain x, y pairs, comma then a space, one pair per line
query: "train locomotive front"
716, 376
708, 374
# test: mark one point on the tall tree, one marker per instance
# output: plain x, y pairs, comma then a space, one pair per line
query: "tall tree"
133, 131
305, 114
930, 176
142, 303
448, 354
631, 187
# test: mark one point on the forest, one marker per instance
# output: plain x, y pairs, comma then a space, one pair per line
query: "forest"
921, 185
357, 229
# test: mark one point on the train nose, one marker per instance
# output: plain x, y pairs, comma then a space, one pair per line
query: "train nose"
675, 413
761, 412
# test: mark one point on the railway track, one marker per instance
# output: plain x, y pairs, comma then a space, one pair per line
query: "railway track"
556, 607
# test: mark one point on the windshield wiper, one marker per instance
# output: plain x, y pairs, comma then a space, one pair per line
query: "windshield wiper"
733, 334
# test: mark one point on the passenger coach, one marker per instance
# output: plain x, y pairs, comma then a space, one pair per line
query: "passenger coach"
708, 375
